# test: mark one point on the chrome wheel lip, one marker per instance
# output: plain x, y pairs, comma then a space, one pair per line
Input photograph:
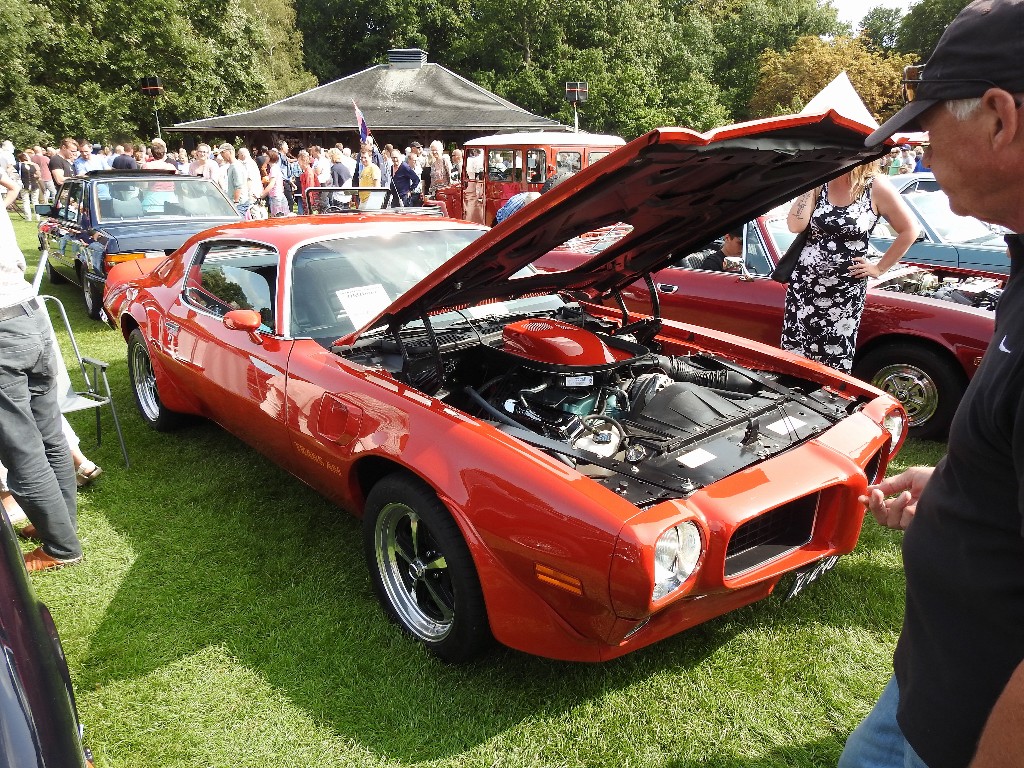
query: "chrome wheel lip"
144, 382
913, 387
405, 575
90, 302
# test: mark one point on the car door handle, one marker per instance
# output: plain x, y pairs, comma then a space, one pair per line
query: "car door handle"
667, 288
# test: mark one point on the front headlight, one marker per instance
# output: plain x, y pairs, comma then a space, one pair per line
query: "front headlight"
675, 556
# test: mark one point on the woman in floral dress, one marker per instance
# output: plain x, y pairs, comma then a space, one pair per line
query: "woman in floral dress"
825, 297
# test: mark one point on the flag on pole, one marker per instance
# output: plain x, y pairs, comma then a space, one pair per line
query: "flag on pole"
364, 129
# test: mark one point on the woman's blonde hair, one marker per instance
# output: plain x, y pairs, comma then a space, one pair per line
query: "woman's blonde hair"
859, 178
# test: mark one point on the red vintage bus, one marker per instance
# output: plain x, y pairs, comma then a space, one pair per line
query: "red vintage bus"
497, 167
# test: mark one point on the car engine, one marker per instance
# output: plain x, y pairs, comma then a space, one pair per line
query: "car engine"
648, 426
974, 291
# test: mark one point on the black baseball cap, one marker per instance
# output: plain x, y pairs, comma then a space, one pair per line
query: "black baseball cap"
982, 48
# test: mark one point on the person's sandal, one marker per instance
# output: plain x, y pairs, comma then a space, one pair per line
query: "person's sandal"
83, 477
27, 532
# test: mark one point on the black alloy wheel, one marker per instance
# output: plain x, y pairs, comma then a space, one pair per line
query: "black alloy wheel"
422, 570
143, 381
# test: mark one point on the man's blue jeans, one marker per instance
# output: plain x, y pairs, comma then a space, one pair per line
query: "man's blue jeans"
878, 741
41, 473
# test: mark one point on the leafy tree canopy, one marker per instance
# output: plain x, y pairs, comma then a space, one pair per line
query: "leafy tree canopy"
789, 80
880, 28
924, 24
696, 63
745, 29
76, 67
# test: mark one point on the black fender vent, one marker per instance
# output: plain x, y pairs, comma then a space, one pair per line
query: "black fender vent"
771, 535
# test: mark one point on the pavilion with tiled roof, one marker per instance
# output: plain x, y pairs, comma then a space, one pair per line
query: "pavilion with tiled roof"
404, 100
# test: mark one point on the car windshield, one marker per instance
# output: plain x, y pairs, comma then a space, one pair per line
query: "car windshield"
779, 232
340, 285
141, 199
950, 227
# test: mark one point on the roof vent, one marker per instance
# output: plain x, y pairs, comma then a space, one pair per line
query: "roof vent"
407, 58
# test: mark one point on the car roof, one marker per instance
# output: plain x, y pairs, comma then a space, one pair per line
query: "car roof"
289, 232
544, 138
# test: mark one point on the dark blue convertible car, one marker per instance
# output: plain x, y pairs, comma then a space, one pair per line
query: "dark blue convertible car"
106, 217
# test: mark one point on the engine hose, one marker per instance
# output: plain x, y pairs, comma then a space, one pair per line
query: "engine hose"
504, 418
681, 370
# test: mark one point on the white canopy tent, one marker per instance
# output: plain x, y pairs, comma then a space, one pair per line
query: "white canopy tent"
841, 96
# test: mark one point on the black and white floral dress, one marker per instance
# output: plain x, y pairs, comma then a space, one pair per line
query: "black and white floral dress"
823, 303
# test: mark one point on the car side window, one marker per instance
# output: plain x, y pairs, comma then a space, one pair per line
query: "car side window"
755, 255
536, 165
227, 276
567, 161
502, 166
71, 201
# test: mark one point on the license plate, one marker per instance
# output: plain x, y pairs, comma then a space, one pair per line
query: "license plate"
809, 574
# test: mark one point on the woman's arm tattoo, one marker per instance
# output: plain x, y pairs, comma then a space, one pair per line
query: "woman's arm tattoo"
802, 204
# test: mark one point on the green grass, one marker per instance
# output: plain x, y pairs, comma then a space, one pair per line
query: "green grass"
223, 617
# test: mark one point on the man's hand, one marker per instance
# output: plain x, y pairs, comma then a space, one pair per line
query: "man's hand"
906, 487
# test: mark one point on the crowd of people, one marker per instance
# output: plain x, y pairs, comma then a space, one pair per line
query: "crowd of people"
261, 181
904, 159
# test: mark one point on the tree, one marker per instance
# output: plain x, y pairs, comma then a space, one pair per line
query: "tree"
20, 112
924, 24
74, 68
743, 29
645, 67
789, 80
341, 37
880, 28
283, 52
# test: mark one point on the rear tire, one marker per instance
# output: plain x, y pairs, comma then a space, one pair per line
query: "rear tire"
143, 381
92, 296
928, 385
422, 571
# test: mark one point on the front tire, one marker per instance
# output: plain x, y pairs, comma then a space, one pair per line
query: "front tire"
55, 277
422, 570
927, 384
143, 381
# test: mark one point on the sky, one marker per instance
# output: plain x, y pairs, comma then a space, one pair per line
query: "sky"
852, 11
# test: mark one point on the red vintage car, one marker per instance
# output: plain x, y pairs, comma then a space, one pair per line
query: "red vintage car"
921, 339
573, 482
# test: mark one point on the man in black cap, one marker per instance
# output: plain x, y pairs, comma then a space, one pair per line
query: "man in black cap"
957, 696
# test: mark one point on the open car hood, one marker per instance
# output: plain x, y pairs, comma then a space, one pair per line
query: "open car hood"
677, 189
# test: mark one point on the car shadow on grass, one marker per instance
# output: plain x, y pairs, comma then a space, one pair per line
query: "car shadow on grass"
228, 550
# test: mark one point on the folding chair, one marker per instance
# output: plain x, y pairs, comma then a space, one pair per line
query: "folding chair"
94, 372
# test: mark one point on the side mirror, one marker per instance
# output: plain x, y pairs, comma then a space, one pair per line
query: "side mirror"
45, 209
247, 320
